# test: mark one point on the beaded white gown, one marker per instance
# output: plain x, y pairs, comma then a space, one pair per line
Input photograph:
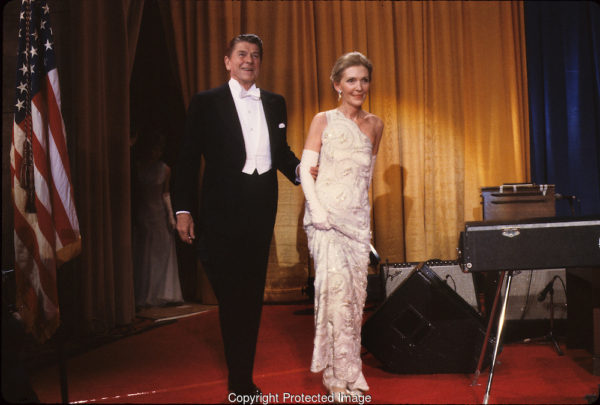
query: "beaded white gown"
341, 254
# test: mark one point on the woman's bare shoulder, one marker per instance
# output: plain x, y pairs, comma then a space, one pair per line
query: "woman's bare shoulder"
374, 122
320, 116
319, 120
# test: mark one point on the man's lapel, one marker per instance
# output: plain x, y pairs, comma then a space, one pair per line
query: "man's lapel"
229, 117
268, 107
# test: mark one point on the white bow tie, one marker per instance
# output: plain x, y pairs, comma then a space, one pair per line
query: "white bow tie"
253, 93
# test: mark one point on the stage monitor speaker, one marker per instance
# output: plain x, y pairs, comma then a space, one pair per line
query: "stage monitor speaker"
425, 327
449, 271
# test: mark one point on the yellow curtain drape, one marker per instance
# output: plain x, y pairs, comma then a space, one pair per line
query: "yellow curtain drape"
449, 82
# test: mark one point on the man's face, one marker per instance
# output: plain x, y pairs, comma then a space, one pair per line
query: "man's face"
244, 63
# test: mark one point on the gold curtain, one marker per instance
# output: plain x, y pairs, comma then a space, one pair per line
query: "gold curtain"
449, 82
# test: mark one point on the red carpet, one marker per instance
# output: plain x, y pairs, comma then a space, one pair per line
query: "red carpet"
183, 363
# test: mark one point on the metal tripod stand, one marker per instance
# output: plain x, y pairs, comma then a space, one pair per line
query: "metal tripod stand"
549, 338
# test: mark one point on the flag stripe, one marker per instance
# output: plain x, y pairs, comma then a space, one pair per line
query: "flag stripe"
30, 223
44, 221
16, 151
56, 123
35, 246
40, 161
62, 223
61, 175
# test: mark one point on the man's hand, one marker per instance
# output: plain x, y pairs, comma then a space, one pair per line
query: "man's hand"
185, 227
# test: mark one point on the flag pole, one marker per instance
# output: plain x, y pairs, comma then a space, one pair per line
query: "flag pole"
62, 363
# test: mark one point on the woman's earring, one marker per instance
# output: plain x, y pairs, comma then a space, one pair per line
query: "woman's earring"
339, 95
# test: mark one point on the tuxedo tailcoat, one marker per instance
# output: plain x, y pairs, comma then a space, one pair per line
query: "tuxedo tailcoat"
236, 216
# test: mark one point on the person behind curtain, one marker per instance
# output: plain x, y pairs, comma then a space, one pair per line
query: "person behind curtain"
240, 130
344, 142
155, 259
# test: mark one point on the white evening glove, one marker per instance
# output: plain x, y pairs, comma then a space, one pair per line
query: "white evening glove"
318, 214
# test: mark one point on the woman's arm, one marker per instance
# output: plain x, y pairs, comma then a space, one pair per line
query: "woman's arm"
310, 158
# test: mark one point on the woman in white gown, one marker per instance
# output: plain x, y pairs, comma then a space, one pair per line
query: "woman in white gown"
344, 142
155, 258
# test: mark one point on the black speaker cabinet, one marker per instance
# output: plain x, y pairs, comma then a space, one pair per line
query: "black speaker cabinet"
425, 327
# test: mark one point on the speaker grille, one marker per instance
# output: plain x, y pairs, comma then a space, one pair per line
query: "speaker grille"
425, 327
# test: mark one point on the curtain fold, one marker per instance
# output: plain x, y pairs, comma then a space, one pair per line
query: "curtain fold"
449, 83
563, 58
101, 58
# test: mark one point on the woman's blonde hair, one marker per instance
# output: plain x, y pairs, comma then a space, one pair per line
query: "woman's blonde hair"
348, 60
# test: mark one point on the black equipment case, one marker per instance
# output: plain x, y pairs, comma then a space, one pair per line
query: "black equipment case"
538, 243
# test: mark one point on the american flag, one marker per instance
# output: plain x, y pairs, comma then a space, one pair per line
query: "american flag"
46, 230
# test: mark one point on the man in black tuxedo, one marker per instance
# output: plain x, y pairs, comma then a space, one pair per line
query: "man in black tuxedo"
241, 133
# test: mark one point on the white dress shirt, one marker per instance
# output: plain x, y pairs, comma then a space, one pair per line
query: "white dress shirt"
254, 127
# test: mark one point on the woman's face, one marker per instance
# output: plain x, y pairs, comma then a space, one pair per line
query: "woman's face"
354, 85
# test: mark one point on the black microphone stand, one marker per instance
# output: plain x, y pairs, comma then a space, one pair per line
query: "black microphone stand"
550, 336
